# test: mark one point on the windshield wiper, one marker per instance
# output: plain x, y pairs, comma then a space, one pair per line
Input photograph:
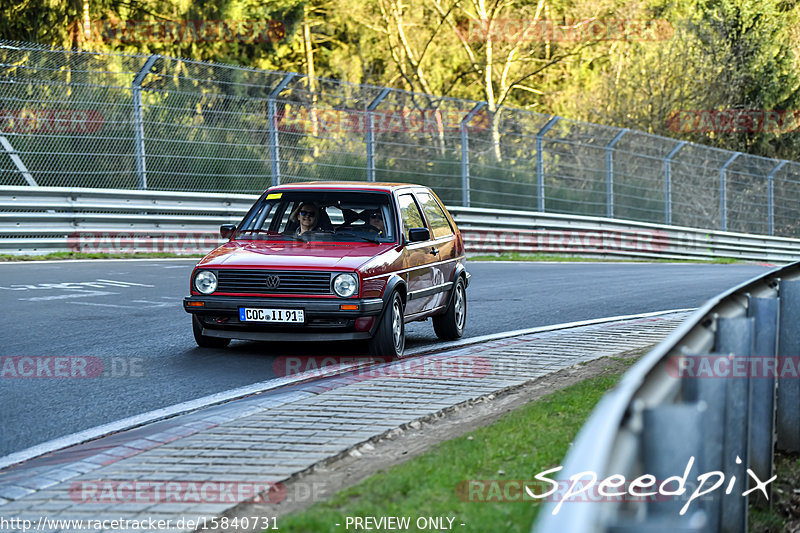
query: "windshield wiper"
271, 233
259, 231
352, 233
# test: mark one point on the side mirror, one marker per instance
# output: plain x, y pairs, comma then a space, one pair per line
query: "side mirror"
419, 234
226, 231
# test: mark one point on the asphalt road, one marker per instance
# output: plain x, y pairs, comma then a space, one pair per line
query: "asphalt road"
125, 318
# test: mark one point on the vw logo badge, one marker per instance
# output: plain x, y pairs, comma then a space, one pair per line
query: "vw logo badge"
273, 282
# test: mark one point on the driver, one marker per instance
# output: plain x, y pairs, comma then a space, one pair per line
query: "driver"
376, 221
307, 215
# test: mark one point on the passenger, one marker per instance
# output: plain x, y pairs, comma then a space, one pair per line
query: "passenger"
307, 216
376, 221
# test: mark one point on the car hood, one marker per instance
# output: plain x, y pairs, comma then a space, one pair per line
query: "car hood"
311, 256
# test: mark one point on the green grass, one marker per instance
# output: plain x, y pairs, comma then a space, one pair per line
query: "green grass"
521, 444
81, 255
782, 514
516, 256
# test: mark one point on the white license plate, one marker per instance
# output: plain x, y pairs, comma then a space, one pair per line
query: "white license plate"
247, 314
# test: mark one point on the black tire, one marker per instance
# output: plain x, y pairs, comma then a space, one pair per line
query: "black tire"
450, 325
390, 337
204, 341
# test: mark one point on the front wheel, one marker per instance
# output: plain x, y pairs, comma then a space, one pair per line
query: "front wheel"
450, 325
204, 341
390, 337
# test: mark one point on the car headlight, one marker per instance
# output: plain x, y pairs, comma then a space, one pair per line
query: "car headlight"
345, 285
205, 282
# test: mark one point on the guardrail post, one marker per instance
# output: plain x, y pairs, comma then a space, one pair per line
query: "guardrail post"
671, 435
712, 394
272, 117
138, 120
465, 153
14, 155
788, 382
371, 134
540, 161
723, 192
668, 183
771, 198
735, 338
610, 173
762, 411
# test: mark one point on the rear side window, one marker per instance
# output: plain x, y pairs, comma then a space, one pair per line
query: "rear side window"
412, 218
440, 227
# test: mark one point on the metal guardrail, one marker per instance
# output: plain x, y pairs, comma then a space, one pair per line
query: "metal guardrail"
38, 220
722, 391
35, 220
497, 231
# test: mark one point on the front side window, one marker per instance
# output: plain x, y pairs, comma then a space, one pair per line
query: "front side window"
409, 212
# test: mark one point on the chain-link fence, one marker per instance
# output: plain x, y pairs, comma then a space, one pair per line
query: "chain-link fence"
85, 119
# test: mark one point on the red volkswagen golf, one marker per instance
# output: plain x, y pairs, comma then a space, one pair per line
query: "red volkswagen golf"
327, 261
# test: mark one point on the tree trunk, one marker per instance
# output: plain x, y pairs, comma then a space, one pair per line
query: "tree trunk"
311, 79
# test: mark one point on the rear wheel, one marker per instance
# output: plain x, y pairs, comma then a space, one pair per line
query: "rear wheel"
204, 341
390, 337
450, 325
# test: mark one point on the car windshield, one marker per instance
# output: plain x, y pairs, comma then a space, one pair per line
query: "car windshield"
314, 215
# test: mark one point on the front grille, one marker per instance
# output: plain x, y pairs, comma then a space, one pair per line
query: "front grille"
290, 282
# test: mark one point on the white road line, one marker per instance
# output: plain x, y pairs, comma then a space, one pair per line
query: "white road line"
125, 283
83, 294
154, 304
101, 305
263, 386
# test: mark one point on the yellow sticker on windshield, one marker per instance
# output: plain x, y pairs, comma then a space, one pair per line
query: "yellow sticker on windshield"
274, 196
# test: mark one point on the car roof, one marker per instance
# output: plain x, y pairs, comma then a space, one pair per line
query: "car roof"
344, 185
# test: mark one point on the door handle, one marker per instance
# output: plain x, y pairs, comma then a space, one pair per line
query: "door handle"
434, 251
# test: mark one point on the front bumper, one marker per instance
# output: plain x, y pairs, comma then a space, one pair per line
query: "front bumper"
324, 320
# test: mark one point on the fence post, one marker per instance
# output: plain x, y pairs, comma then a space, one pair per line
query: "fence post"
610, 173
668, 183
138, 121
274, 152
723, 191
771, 198
371, 134
540, 161
465, 153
